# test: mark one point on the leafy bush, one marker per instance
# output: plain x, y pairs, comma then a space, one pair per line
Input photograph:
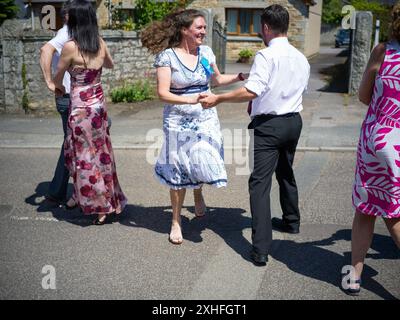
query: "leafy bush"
117, 95
147, 11
380, 12
138, 91
246, 53
128, 25
8, 10
332, 13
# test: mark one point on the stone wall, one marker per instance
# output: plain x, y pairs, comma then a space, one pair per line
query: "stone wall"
360, 49
328, 33
233, 47
21, 49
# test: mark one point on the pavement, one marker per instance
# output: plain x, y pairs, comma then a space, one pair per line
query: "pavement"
132, 259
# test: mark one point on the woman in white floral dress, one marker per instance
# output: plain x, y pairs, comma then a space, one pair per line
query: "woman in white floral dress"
192, 153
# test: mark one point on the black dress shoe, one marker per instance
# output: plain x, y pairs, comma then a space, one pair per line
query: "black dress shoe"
67, 207
281, 226
53, 199
259, 259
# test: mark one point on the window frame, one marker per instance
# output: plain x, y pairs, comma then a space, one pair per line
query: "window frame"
238, 32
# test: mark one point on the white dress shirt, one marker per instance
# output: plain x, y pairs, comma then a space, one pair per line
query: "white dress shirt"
58, 43
279, 77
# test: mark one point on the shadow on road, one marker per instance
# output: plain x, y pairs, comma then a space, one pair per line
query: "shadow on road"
313, 261
73, 216
228, 223
306, 258
337, 75
344, 53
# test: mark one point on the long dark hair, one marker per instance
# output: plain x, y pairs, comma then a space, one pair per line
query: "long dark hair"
82, 26
164, 34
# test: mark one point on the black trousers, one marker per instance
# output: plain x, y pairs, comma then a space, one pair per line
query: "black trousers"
275, 140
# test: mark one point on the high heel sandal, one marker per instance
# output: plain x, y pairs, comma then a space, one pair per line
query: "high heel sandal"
106, 220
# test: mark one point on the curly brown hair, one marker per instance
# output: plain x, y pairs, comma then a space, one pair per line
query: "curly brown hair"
164, 34
395, 24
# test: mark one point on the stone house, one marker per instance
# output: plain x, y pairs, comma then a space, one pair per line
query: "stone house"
242, 20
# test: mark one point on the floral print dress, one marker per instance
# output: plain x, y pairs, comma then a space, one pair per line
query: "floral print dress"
192, 152
88, 152
376, 189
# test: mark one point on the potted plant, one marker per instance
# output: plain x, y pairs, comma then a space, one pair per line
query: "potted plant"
245, 55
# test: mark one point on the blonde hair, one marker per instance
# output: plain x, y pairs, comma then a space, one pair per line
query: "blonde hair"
164, 34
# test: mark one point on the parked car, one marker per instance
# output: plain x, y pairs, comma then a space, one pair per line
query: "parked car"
342, 38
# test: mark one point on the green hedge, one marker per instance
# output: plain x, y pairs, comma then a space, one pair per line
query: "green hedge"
8, 10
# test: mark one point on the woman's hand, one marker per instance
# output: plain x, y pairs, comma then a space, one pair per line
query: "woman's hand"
208, 100
193, 99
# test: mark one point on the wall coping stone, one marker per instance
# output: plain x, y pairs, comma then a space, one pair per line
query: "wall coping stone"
242, 39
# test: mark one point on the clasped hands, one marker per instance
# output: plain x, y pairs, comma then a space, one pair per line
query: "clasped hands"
59, 91
207, 100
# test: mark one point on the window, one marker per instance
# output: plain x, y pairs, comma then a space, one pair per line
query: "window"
243, 22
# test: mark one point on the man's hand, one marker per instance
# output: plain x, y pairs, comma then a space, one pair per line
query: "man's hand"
51, 86
208, 100
59, 90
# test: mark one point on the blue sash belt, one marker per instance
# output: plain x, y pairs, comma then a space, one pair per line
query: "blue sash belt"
191, 89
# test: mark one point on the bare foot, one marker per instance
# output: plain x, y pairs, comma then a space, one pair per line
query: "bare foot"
199, 206
175, 235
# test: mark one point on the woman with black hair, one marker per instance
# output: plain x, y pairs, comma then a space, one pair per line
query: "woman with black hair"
88, 151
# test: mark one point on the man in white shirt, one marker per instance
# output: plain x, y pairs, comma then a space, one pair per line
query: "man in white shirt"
277, 81
49, 56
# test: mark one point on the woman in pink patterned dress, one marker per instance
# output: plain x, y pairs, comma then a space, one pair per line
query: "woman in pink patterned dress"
376, 190
88, 151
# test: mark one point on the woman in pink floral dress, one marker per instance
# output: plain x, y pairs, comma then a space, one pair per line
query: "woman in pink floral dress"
88, 151
376, 190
